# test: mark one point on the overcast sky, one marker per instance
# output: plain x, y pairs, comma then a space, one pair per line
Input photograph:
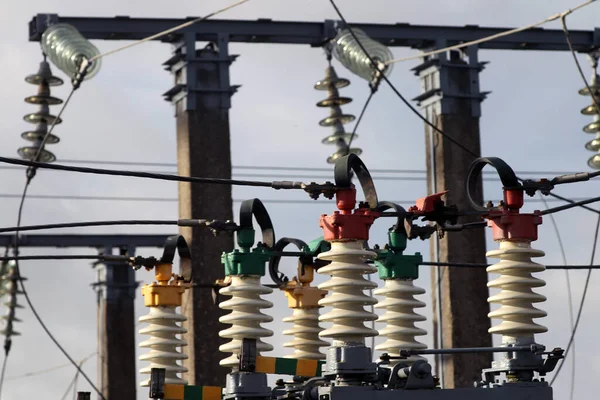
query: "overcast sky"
531, 119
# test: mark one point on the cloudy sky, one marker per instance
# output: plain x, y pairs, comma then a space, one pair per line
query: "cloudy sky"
531, 119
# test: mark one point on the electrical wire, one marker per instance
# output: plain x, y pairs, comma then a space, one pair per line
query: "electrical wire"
360, 117
581, 304
92, 223
283, 168
28, 299
2, 374
174, 199
491, 37
569, 292
478, 265
47, 370
147, 175
168, 31
570, 205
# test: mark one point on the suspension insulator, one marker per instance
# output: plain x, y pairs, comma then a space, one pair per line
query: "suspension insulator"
11, 290
348, 51
399, 304
306, 329
516, 296
165, 325
245, 317
67, 49
346, 296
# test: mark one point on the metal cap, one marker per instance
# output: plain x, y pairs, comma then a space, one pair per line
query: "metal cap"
43, 96
44, 74
594, 161
331, 79
336, 116
29, 152
594, 85
42, 115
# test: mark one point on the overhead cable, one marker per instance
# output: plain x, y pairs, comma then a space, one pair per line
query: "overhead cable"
492, 37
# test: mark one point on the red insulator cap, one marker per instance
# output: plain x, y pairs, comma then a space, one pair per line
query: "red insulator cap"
348, 223
509, 224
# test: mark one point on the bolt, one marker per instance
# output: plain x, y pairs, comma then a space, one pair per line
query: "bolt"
489, 204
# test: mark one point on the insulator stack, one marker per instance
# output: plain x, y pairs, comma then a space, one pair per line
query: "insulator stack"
245, 318
10, 291
163, 297
516, 297
337, 119
304, 300
399, 304
42, 118
306, 329
164, 328
349, 52
346, 293
594, 126
67, 49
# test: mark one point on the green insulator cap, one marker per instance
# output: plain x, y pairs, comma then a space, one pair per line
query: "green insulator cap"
393, 264
245, 238
246, 262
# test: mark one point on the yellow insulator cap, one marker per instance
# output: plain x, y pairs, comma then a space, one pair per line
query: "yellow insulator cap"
156, 294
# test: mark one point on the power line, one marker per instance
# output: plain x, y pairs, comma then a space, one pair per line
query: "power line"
360, 117
149, 175
168, 31
491, 37
569, 291
47, 370
581, 304
174, 199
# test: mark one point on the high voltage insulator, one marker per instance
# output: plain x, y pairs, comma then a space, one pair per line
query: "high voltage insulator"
10, 290
42, 118
67, 49
399, 271
337, 119
516, 297
246, 318
244, 268
594, 126
348, 51
163, 297
304, 300
347, 269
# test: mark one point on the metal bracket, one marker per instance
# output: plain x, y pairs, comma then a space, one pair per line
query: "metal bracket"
441, 92
157, 383
190, 67
248, 355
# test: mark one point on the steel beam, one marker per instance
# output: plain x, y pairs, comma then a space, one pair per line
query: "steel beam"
316, 33
85, 240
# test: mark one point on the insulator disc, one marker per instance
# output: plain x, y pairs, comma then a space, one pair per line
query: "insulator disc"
594, 85
28, 153
331, 120
37, 136
338, 154
592, 127
334, 101
593, 145
40, 99
589, 110
333, 139
41, 116
331, 79
594, 161
44, 74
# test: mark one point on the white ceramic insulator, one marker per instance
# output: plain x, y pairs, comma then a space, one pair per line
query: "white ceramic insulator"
163, 344
245, 317
346, 293
400, 317
516, 295
306, 329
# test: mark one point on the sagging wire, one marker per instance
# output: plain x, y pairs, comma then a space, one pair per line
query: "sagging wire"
360, 117
492, 37
171, 30
581, 304
47, 370
569, 292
